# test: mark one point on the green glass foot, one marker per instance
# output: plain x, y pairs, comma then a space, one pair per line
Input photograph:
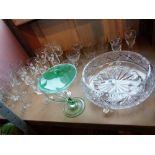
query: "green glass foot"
74, 107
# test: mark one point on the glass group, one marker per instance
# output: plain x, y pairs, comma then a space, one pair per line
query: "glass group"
23, 76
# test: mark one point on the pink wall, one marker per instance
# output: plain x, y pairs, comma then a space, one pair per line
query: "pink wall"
10, 50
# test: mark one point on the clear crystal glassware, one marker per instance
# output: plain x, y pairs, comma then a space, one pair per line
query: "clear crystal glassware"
32, 71
54, 52
50, 55
21, 90
55, 83
42, 61
130, 37
4, 91
25, 96
6, 94
25, 75
118, 80
89, 52
29, 75
53, 59
11, 86
116, 44
73, 56
77, 46
54, 48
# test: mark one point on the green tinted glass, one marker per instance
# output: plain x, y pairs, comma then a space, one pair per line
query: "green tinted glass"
57, 78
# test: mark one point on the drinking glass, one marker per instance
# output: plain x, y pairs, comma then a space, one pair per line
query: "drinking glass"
89, 52
77, 46
16, 90
56, 49
53, 59
42, 60
4, 93
48, 57
116, 44
130, 37
24, 75
54, 52
73, 56
33, 71
25, 96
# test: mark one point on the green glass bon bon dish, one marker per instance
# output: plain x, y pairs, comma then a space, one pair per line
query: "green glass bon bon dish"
57, 80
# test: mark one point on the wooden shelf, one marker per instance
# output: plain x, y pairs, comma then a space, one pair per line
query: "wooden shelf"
19, 22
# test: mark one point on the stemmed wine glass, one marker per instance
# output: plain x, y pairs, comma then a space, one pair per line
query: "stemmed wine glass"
73, 56
116, 44
21, 89
54, 52
28, 74
130, 37
6, 94
50, 55
54, 48
53, 59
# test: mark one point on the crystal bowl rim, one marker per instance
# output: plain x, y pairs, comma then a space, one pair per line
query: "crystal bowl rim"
131, 52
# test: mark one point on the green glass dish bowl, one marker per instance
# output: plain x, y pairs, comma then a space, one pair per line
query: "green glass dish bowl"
57, 79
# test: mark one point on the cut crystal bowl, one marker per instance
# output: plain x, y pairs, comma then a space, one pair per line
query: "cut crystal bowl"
118, 80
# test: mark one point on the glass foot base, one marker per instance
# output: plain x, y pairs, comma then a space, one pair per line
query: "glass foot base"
75, 109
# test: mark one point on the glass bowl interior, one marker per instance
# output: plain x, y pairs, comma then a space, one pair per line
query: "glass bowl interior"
57, 78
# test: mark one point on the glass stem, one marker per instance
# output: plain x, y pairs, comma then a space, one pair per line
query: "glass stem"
53, 100
72, 104
130, 48
24, 105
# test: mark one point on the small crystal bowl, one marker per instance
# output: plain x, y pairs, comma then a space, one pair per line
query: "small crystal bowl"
118, 80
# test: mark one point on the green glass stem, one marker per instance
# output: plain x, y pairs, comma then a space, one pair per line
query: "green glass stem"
74, 107
71, 103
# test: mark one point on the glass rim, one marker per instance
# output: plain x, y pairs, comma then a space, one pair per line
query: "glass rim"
95, 59
65, 88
